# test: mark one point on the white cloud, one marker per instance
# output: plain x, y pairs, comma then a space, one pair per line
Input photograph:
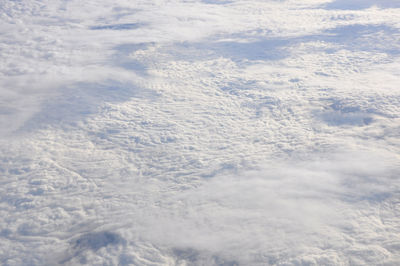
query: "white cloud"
199, 132
320, 211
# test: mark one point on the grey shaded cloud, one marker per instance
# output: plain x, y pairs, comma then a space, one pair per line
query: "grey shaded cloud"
362, 4
125, 26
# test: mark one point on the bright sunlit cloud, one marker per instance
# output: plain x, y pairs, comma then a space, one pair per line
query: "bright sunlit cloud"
199, 132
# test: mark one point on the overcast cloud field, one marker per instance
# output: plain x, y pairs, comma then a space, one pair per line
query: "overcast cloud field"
199, 132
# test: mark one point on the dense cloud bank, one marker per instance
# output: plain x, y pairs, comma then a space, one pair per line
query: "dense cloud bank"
199, 132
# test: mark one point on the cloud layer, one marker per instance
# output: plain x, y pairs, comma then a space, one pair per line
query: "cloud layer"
199, 132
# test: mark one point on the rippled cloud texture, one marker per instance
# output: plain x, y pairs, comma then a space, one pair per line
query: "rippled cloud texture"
188, 132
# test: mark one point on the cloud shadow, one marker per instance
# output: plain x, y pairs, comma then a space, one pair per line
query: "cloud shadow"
241, 48
216, 2
372, 38
361, 4
191, 256
122, 57
80, 100
124, 26
93, 241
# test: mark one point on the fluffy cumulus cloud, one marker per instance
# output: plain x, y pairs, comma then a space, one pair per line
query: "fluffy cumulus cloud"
188, 132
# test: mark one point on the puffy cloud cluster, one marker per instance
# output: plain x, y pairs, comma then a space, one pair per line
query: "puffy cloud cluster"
199, 132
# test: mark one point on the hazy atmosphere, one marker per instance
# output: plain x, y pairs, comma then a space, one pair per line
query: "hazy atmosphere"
199, 132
